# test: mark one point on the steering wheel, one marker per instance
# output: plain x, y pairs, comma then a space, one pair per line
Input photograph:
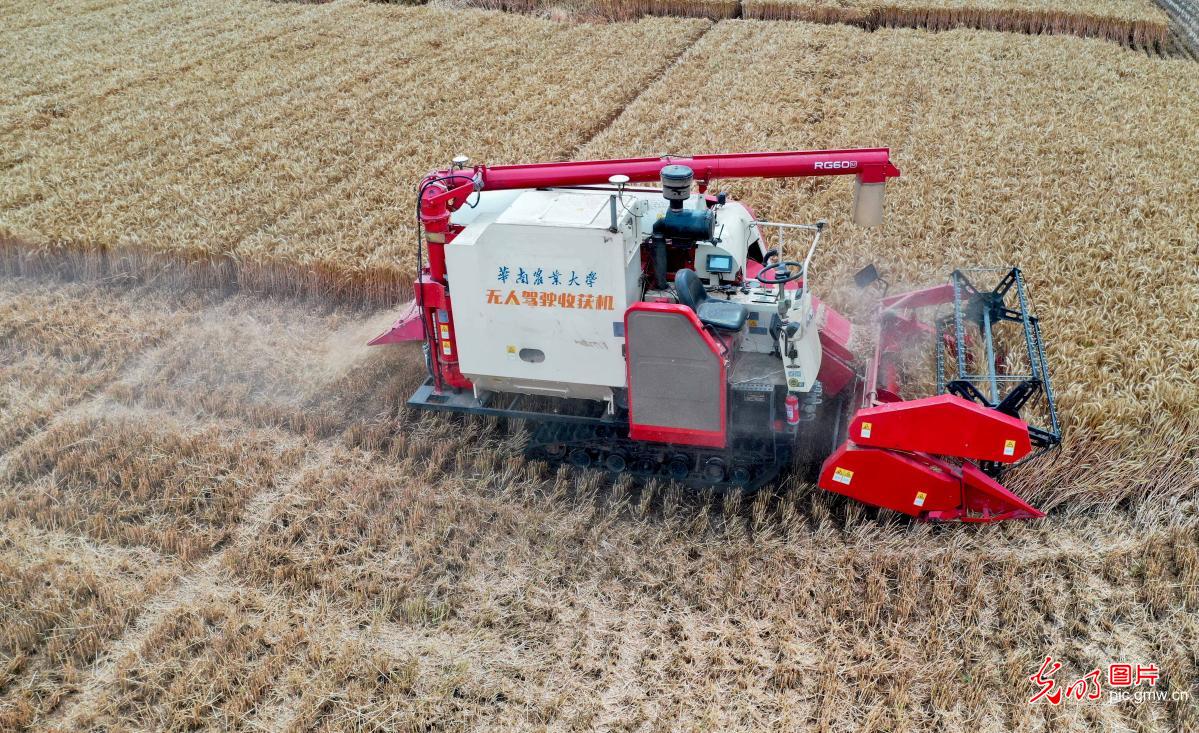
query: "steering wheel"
783, 272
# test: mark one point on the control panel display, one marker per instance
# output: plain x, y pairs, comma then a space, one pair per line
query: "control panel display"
720, 263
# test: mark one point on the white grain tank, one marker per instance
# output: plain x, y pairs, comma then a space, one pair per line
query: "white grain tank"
540, 283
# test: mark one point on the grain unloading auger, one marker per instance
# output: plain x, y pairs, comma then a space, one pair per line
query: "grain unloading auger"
667, 332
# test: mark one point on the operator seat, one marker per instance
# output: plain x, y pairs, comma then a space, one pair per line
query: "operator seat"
722, 315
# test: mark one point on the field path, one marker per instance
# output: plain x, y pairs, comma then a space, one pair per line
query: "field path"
1185, 14
631, 99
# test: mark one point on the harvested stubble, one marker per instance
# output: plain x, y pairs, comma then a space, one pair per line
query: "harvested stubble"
60, 344
1066, 157
1132, 22
241, 660
286, 163
584, 607
439, 580
205, 665
62, 602
142, 480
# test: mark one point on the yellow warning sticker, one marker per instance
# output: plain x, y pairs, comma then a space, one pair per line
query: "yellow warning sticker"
866, 429
1009, 447
446, 348
920, 497
843, 476
445, 331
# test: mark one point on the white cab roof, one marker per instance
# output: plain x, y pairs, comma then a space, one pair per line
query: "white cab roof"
585, 209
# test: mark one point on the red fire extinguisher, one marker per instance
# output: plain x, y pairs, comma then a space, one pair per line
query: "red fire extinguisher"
792, 410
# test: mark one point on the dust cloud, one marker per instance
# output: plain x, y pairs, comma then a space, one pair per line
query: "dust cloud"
278, 362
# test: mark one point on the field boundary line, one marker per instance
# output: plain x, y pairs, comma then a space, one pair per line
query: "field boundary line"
1142, 36
223, 273
619, 110
1127, 33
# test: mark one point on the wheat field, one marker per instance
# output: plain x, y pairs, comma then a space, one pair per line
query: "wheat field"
315, 151
1134, 22
216, 512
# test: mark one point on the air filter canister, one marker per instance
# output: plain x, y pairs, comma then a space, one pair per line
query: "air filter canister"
676, 184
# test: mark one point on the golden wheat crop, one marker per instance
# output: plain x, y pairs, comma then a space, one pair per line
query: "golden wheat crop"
282, 154
63, 65
215, 511
1135, 22
618, 10
1064, 156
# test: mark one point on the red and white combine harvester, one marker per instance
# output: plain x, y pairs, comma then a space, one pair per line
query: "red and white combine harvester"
668, 332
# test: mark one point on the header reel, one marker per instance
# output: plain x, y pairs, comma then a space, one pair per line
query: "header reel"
939, 457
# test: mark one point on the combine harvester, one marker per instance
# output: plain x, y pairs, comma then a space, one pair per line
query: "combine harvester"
658, 332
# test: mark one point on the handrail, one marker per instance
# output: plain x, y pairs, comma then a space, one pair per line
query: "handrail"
818, 228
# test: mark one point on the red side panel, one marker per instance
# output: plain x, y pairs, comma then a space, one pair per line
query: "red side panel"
935, 295
985, 496
905, 483
836, 365
836, 326
677, 436
409, 327
668, 434
945, 425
